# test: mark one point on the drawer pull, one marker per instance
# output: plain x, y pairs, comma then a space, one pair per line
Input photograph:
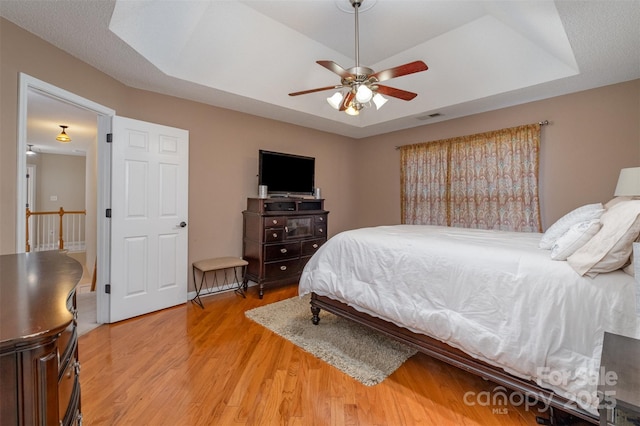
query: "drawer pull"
275, 221
275, 235
321, 219
315, 246
283, 268
283, 250
321, 230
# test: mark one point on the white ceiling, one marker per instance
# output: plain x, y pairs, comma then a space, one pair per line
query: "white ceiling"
248, 55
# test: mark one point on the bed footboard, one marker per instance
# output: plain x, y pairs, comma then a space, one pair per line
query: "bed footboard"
450, 355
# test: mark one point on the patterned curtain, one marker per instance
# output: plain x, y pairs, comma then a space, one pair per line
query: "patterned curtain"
487, 181
424, 177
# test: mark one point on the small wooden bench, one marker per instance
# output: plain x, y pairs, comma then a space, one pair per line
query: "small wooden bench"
214, 265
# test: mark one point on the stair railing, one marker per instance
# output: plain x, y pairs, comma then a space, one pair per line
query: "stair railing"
46, 236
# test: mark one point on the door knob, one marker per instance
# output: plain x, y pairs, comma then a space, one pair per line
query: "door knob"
183, 224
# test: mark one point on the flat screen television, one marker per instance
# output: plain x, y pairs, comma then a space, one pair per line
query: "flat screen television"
286, 174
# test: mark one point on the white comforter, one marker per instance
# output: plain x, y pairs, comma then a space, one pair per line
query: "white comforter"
493, 294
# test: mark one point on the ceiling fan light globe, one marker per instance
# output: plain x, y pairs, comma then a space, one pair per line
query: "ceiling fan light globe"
352, 110
379, 100
335, 100
364, 94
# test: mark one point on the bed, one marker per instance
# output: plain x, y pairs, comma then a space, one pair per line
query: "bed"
491, 302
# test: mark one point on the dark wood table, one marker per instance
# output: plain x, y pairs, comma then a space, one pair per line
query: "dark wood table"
38, 340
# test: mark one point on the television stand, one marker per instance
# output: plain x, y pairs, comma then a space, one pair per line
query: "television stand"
279, 237
289, 196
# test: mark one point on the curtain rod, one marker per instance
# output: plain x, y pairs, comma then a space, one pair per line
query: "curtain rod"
540, 123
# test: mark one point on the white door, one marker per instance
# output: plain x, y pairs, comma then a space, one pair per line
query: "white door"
149, 209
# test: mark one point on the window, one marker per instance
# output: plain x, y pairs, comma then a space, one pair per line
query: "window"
487, 181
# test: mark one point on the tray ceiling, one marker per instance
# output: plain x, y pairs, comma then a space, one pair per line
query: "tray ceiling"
248, 55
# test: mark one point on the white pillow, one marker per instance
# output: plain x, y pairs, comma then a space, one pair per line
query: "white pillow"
636, 267
611, 247
561, 226
574, 238
616, 200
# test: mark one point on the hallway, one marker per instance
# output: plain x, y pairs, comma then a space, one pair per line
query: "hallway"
85, 298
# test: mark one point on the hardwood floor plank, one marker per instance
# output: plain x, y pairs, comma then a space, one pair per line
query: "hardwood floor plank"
189, 366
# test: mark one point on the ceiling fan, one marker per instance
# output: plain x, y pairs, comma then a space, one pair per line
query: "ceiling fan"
362, 83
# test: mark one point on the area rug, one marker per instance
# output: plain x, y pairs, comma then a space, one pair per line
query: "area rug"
362, 353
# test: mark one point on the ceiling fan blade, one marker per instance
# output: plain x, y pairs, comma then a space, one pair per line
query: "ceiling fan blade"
347, 100
399, 71
396, 93
320, 89
333, 67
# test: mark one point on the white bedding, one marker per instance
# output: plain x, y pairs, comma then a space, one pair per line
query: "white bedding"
493, 294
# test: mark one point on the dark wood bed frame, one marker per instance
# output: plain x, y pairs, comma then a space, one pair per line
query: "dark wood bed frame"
453, 356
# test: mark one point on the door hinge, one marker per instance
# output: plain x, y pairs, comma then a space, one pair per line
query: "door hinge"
109, 137
107, 288
108, 213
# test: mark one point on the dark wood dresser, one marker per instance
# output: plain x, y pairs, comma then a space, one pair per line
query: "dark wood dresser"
280, 236
39, 383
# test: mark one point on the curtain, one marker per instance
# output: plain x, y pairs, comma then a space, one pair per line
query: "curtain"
487, 181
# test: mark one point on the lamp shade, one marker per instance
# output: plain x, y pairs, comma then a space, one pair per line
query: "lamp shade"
63, 137
379, 100
363, 94
335, 100
628, 182
352, 109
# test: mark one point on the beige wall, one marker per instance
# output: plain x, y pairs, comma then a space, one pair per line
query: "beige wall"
62, 177
224, 144
592, 135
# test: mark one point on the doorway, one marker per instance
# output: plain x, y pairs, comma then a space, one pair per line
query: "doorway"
101, 159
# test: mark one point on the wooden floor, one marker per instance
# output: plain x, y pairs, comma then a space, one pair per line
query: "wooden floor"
188, 366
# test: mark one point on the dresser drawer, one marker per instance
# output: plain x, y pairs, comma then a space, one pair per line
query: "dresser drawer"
274, 222
67, 343
320, 230
273, 235
69, 390
311, 246
285, 268
281, 251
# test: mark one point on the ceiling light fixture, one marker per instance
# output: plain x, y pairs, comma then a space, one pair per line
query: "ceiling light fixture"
30, 151
63, 137
360, 91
